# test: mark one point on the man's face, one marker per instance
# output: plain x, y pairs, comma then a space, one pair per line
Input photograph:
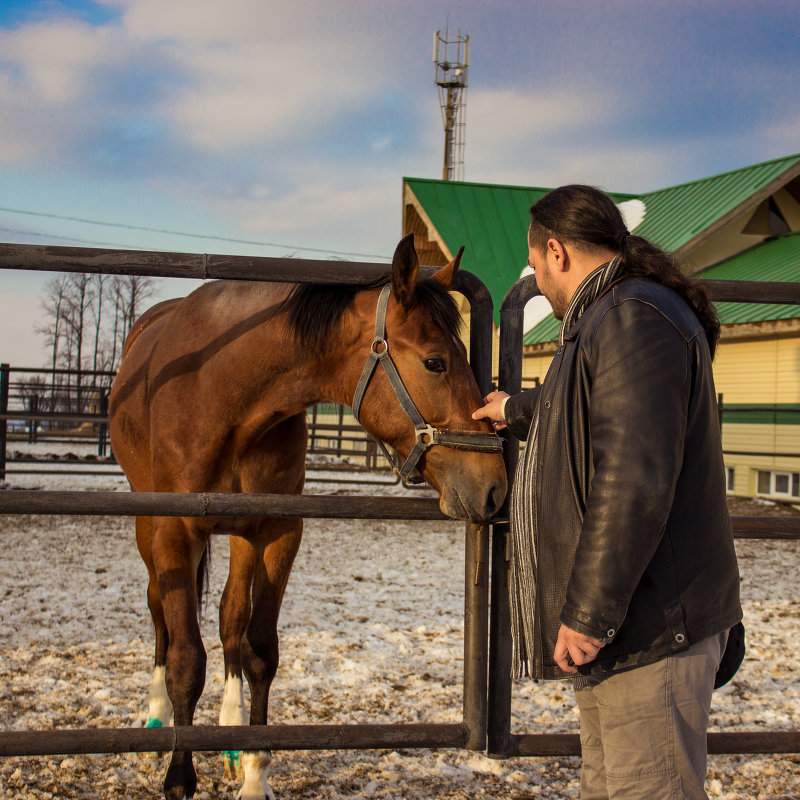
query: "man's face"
548, 282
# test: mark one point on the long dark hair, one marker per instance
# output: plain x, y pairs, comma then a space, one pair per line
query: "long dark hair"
587, 219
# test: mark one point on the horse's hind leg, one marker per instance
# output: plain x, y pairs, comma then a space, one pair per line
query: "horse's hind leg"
159, 707
278, 542
177, 551
234, 614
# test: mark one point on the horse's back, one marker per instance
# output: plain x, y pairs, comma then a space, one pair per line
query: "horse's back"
146, 320
182, 384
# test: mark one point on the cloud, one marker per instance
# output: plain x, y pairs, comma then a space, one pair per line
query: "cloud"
300, 118
511, 132
785, 132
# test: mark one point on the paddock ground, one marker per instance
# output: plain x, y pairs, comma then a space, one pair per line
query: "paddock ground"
371, 631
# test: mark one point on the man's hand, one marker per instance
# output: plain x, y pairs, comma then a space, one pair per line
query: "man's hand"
493, 410
575, 646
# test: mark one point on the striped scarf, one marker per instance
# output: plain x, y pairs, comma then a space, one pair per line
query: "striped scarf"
524, 533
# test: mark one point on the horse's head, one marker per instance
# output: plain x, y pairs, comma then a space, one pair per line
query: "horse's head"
417, 334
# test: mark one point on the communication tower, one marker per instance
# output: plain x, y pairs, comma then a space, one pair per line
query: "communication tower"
451, 56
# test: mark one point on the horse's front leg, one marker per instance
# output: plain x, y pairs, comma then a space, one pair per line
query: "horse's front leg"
278, 542
176, 556
234, 615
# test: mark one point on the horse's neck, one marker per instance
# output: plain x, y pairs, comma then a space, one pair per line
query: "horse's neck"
298, 378
334, 369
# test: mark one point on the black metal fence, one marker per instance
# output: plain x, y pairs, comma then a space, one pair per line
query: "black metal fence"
70, 408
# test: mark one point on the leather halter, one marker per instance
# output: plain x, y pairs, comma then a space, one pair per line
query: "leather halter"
426, 435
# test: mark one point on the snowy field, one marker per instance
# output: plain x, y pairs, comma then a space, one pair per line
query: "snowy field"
371, 631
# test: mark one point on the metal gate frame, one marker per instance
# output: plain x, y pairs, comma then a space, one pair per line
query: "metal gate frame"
470, 733
502, 743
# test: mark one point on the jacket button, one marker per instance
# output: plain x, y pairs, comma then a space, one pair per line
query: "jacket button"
610, 633
547, 404
680, 638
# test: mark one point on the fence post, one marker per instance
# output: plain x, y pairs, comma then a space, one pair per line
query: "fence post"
102, 428
33, 423
500, 646
4, 376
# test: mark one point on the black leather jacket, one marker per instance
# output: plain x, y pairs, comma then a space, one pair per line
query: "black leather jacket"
635, 543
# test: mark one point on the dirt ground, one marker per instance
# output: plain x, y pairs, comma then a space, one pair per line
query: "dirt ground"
371, 631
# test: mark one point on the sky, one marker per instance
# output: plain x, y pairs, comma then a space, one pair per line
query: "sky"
289, 126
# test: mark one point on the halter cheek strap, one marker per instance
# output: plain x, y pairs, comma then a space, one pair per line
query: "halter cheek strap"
426, 435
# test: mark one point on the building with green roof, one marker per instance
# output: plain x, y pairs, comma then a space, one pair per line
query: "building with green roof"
743, 224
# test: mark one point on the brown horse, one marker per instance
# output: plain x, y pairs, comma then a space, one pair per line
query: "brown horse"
211, 397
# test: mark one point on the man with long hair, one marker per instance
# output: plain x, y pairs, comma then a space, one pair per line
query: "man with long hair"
623, 572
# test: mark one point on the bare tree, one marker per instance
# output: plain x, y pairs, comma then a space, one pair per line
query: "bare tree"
98, 306
80, 296
129, 293
53, 307
85, 321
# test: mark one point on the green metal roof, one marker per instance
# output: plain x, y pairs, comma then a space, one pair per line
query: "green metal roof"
775, 259
677, 214
490, 220
546, 330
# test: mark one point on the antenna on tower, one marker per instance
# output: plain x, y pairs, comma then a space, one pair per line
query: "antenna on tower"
451, 56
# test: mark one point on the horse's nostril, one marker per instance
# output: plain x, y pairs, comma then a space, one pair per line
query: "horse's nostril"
495, 499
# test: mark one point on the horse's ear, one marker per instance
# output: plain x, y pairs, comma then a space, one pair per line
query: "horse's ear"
447, 273
405, 267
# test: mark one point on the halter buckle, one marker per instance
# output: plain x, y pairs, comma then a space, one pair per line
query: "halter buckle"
427, 436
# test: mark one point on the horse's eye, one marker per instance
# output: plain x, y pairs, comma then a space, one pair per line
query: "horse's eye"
434, 365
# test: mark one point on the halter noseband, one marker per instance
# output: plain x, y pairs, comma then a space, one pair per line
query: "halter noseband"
426, 435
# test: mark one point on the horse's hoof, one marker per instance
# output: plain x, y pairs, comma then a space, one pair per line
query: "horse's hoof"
152, 722
232, 762
255, 785
270, 795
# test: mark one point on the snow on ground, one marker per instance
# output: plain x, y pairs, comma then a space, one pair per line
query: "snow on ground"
371, 631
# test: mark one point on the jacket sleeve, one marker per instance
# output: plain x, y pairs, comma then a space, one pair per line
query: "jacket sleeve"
519, 411
638, 368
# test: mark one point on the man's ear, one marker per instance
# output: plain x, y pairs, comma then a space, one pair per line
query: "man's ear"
405, 268
557, 254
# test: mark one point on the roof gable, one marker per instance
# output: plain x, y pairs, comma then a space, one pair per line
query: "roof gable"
678, 216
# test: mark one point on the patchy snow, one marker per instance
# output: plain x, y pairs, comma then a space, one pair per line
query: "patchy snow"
371, 631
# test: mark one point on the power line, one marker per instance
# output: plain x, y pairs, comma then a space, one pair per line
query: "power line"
179, 233
26, 232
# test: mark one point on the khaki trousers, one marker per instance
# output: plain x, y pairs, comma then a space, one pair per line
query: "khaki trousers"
643, 731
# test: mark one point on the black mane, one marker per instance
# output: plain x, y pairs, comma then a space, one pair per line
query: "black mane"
316, 309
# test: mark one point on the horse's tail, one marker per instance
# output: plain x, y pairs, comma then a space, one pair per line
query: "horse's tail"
203, 572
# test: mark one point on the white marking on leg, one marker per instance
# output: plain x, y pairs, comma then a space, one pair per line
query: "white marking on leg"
233, 711
255, 777
159, 710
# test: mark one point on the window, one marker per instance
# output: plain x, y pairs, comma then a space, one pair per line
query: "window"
778, 484
729, 477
